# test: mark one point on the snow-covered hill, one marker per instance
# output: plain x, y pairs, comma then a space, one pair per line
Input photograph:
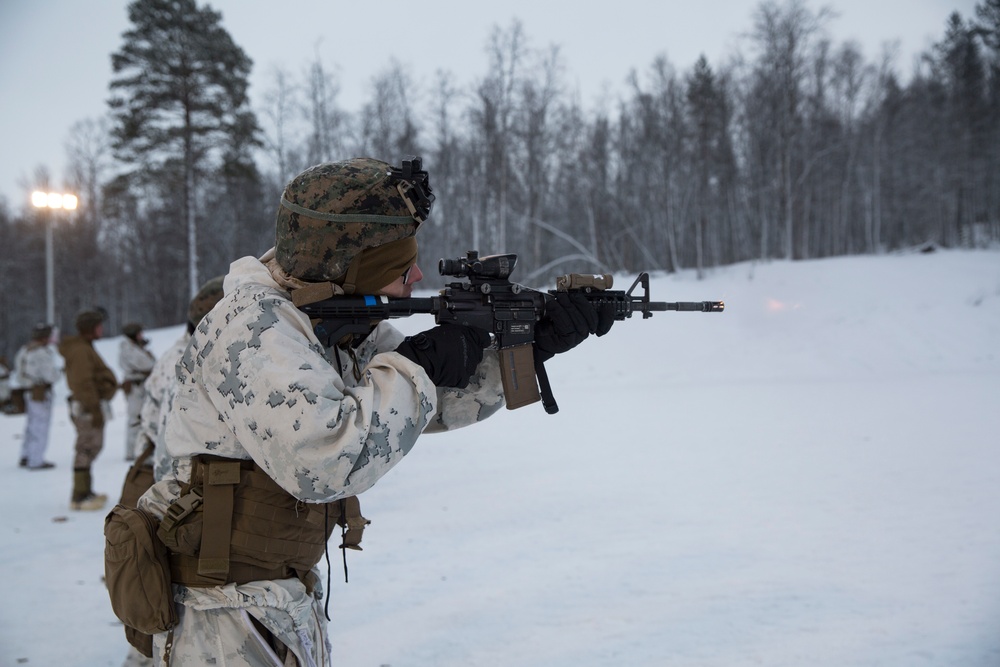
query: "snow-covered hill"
810, 478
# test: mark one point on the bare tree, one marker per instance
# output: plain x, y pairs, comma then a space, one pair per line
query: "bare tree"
782, 35
388, 127
328, 123
280, 104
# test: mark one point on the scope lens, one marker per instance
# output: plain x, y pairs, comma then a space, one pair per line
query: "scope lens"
450, 267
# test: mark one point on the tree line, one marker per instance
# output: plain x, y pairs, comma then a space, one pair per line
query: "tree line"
794, 148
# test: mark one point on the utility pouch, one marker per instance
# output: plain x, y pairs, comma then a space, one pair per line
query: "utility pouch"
137, 574
40, 392
17, 405
139, 477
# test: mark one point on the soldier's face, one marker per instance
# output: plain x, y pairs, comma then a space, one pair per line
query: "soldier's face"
402, 286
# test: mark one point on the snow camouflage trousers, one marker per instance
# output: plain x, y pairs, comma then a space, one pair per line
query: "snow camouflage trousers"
215, 626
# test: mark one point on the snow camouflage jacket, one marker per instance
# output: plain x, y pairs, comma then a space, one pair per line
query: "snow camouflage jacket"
135, 361
35, 365
152, 417
255, 382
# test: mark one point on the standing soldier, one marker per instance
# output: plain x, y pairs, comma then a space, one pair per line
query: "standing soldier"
36, 371
152, 461
273, 432
136, 363
158, 389
92, 385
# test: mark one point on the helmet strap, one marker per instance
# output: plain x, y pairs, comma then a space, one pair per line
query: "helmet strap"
351, 277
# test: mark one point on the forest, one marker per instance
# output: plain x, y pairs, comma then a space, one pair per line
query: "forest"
794, 148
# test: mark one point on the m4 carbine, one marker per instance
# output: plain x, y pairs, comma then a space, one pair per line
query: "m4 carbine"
490, 301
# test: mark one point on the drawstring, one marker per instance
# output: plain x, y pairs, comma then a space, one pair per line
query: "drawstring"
354, 359
326, 554
353, 356
343, 549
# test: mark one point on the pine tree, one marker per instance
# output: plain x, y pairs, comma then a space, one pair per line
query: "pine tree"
179, 100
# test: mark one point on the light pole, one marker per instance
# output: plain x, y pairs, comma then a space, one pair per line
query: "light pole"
51, 200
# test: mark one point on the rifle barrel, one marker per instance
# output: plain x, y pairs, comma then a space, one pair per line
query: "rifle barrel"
696, 306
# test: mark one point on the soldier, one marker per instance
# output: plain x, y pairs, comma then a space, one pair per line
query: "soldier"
153, 461
36, 371
274, 434
92, 385
135, 362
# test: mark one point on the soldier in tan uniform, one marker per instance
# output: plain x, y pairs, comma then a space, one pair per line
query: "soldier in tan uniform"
92, 385
274, 434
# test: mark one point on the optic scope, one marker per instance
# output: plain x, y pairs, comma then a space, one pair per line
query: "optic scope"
492, 267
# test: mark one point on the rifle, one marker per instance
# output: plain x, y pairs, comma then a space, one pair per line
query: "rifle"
490, 301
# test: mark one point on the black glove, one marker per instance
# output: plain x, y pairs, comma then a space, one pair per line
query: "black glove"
568, 319
449, 353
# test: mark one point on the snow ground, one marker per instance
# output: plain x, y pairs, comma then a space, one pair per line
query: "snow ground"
810, 478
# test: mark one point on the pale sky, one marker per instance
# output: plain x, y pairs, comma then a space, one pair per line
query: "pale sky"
55, 54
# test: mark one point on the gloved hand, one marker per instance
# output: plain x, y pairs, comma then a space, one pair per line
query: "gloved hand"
449, 353
568, 319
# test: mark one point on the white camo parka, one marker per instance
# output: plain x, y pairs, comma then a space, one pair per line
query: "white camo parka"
255, 382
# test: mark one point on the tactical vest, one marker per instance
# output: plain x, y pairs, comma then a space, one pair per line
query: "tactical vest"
234, 524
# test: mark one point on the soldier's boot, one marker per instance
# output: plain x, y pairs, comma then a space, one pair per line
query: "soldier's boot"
84, 497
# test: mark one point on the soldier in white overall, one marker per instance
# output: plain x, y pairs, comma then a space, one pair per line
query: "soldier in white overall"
286, 428
36, 371
136, 363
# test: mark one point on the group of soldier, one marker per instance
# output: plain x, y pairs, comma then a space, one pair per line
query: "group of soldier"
91, 384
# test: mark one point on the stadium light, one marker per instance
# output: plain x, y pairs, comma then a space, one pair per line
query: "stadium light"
52, 201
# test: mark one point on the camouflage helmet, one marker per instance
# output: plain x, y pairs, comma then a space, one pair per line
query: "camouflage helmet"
331, 212
206, 298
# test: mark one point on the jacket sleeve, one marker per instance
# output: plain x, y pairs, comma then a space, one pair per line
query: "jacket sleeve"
135, 361
105, 382
38, 367
81, 381
481, 399
267, 379
457, 407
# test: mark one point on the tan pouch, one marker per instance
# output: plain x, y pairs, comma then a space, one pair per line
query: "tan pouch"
139, 477
137, 574
142, 642
137, 481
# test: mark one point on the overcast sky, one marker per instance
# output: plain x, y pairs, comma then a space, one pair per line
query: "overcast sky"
55, 54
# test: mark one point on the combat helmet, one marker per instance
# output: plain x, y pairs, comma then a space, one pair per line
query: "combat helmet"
41, 331
334, 212
88, 320
132, 330
206, 298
